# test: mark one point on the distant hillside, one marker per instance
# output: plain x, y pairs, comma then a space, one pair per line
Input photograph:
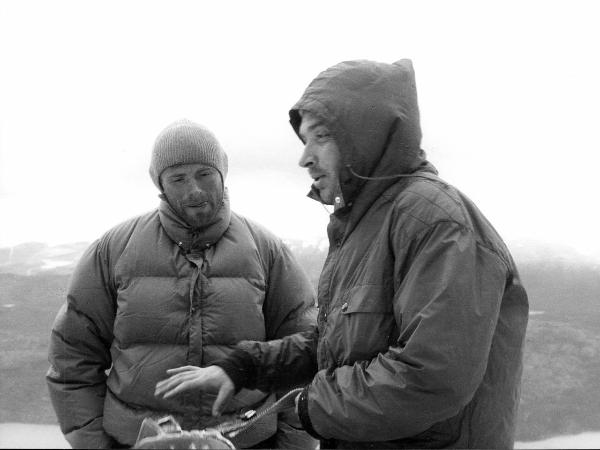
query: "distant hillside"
561, 387
560, 392
35, 257
563, 290
28, 305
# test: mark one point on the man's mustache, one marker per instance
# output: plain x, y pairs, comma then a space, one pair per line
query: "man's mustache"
195, 200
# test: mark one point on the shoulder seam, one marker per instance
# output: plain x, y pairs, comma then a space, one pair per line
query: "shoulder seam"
459, 225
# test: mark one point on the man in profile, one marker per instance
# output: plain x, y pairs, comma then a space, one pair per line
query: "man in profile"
422, 314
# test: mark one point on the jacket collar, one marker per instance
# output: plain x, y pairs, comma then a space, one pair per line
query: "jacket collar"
343, 220
188, 238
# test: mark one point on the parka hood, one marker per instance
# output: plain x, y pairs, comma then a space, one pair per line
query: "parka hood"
371, 108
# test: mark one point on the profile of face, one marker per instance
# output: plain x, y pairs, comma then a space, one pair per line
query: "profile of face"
194, 191
321, 156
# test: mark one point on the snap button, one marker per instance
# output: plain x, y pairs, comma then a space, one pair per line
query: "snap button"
345, 306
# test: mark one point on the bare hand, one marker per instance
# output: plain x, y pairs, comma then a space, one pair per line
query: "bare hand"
210, 379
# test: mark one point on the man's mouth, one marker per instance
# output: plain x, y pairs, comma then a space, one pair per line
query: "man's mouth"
196, 205
318, 181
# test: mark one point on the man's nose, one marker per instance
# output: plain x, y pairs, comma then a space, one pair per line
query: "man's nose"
195, 187
308, 157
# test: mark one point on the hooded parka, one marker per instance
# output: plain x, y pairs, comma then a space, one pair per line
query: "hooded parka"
153, 294
422, 314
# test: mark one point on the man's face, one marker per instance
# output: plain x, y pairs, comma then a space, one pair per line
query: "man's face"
194, 191
321, 157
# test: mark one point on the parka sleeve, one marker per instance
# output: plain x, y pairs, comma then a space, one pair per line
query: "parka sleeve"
277, 365
446, 306
79, 352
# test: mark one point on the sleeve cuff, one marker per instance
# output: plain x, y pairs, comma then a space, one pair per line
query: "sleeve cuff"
239, 366
303, 414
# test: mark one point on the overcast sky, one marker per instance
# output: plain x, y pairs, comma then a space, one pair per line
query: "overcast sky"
509, 95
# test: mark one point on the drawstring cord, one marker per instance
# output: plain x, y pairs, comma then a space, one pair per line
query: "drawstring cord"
387, 177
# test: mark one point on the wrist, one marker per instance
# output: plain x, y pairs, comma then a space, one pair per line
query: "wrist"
304, 416
239, 367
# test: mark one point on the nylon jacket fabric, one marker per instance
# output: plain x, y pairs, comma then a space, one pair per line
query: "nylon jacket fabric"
422, 315
152, 294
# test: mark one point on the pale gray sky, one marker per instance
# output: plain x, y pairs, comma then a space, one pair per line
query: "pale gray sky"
508, 90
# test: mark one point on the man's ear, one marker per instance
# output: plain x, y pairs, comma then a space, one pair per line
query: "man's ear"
162, 195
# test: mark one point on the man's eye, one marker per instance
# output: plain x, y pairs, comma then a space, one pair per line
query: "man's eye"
322, 135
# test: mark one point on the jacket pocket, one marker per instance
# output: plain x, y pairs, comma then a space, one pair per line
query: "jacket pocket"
364, 323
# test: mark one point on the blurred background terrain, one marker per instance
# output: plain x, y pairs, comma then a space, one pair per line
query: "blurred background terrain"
508, 97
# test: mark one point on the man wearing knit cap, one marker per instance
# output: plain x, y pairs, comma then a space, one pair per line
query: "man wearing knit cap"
422, 314
179, 286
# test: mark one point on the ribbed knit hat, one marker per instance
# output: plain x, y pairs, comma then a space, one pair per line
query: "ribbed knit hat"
185, 142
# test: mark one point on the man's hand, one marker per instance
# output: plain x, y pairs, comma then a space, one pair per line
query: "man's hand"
211, 379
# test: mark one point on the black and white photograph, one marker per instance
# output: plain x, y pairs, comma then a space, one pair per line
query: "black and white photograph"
299, 225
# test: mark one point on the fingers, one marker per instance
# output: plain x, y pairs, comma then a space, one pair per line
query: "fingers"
166, 385
183, 386
181, 369
225, 393
212, 378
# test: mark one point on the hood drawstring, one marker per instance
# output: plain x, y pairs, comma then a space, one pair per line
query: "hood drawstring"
387, 177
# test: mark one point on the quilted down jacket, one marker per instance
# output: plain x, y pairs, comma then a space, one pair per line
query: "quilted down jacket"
152, 294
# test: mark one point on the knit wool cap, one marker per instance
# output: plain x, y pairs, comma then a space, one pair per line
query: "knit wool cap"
186, 142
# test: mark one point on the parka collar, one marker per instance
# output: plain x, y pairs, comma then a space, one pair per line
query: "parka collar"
191, 239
